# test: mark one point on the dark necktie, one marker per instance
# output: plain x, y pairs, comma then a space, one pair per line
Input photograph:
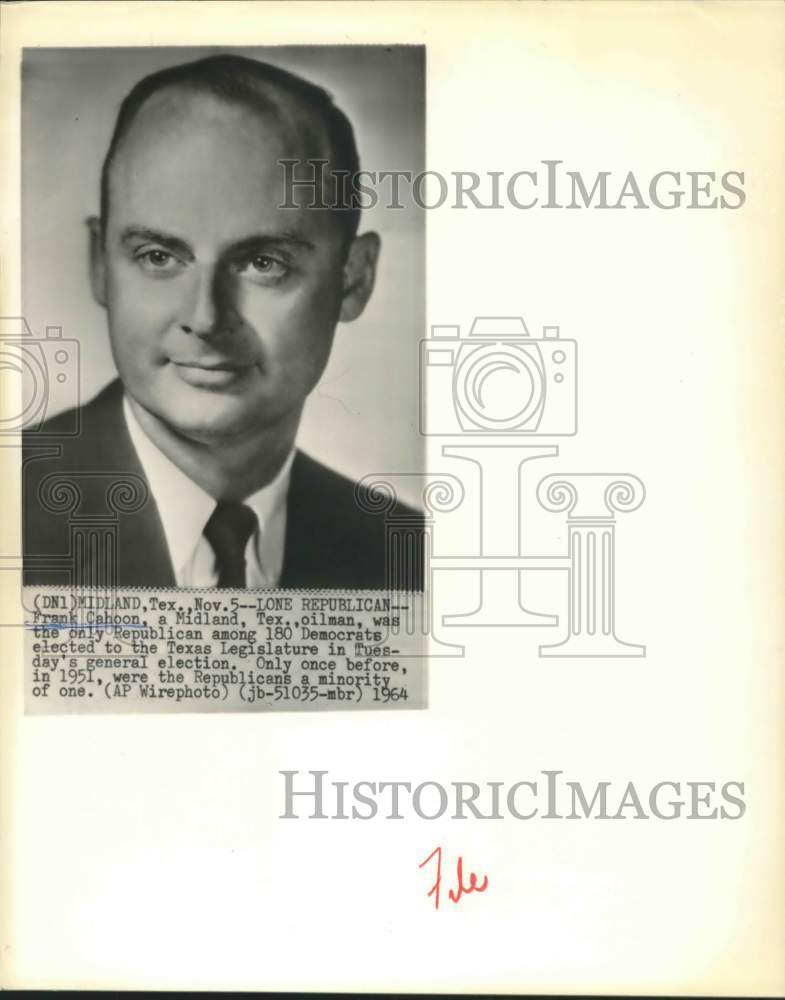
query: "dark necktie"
230, 526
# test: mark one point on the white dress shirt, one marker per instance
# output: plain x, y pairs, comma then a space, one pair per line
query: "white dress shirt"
184, 509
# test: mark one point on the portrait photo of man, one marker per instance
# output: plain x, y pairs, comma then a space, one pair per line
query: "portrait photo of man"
224, 294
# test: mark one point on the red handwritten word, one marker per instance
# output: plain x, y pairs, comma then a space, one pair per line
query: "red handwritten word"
461, 890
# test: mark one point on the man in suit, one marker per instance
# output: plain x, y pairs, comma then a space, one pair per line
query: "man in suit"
221, 308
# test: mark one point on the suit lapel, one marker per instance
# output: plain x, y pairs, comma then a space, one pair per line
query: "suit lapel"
143, 555
305, 529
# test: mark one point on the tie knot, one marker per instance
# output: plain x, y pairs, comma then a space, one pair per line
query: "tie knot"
230, 526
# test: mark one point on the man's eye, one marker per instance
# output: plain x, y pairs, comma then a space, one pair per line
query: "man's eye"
263, 267
157, 261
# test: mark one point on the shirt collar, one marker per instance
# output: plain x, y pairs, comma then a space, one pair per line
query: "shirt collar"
183, 506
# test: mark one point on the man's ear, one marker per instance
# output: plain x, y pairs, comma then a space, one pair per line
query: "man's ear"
97, 260
359, 275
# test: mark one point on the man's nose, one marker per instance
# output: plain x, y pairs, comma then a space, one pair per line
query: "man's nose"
210, 310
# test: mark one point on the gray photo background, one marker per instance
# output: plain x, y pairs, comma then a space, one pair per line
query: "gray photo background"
362, 418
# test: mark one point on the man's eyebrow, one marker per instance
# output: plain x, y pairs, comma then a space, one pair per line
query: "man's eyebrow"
173, 243
286, 237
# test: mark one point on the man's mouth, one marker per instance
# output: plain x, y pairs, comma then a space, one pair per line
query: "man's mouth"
210, 373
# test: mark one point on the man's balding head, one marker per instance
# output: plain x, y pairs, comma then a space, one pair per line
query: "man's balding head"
222, 304
306, 115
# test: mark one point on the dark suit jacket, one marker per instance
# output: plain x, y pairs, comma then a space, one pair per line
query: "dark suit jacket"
89, 517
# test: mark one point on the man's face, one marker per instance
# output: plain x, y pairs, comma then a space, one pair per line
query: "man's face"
222, 307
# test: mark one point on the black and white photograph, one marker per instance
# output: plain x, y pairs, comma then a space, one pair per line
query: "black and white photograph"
222, 349
393, 536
